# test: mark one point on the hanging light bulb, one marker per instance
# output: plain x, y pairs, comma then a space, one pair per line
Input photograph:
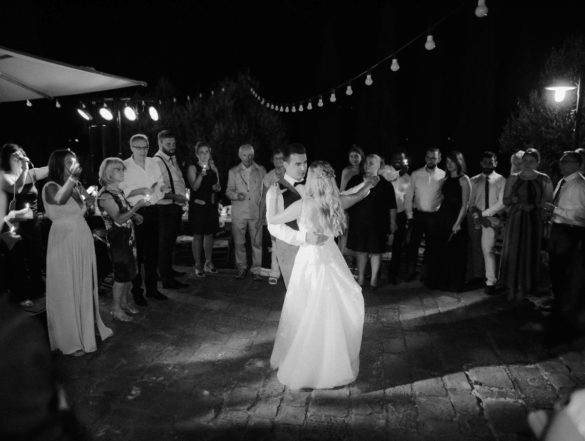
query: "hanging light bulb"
481, 10
369, 80
153, 113
281, 109
57, 104
84, 113
106, 113
301, 108
28, 103
394, 67
294, 109
286, 109
309, 106
333, 98
348, 90
320, 102
129, 113
430, 43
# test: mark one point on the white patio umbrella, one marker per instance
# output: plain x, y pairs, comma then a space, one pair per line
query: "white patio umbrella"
28, 77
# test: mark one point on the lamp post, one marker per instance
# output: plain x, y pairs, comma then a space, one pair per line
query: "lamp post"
560, 94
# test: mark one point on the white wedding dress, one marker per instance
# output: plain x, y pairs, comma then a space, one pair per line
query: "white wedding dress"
319, 336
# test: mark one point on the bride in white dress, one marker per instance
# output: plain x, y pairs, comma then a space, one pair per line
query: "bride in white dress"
320, 331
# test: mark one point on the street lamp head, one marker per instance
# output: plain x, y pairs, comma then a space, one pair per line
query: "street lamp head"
560, 91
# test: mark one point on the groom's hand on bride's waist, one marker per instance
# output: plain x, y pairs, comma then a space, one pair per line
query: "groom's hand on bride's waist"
315, 238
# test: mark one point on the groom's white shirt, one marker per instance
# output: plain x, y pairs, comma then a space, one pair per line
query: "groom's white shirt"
282, 231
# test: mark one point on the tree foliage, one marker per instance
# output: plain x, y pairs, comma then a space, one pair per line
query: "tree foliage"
229, 117
540, 122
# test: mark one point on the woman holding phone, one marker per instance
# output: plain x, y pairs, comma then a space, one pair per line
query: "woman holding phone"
203, 215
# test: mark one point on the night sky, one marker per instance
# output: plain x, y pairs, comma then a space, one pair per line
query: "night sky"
457, 96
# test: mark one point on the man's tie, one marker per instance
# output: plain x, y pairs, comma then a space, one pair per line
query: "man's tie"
299, 183
558, 192
487, 193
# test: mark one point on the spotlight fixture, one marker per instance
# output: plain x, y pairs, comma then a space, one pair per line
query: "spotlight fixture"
153, 113
106, 113
82, 110
129, 113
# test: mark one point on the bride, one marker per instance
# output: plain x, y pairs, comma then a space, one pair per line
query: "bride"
320, 331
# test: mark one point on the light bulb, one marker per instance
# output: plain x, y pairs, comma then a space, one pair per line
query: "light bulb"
560, 95
129, 113
369, 80
286, 109
301, 108
294, 109
57, 104
309, 106
332, 98
481, 10
153, 113
349, 90
430, 43
84, 113
320, 102
106, 113
28, 103
395, 66
281, 109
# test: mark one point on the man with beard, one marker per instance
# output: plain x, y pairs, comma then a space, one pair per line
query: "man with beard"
402, 183
170, 210
486, 201
426, 198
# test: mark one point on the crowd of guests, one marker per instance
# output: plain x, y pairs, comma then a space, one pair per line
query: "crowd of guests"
487, 229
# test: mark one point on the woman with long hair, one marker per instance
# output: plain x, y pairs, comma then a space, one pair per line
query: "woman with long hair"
320, 331
72, 283
447, 261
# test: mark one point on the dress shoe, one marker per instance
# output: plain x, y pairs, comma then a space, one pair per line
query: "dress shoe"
139, 299
176, 273
490, 290
173, 284
241, 274
156, 295
257, 277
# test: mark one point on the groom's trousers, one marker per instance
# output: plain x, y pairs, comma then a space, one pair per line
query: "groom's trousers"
285, 255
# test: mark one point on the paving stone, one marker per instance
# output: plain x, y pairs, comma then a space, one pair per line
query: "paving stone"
430, 387
465, 403
537, 391
291, 415
491, 376
266, 409
438, 408
507, 416
456, 381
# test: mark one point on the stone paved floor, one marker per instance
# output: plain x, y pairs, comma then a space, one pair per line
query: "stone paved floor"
434, 366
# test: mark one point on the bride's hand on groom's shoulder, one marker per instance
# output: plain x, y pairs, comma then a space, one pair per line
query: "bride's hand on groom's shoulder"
315, 238
372, 180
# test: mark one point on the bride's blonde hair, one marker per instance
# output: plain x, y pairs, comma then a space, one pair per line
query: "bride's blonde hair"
321, 187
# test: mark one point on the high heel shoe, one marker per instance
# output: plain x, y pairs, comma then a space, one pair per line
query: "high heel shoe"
130, 310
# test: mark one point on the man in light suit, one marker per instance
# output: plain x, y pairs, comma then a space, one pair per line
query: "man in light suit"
244, 189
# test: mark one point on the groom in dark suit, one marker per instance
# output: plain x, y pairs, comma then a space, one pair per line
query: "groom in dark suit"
288, 237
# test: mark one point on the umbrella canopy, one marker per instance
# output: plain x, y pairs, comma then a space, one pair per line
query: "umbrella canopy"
28, 77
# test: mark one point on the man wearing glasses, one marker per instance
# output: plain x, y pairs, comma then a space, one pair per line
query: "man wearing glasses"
426, 199
143, 178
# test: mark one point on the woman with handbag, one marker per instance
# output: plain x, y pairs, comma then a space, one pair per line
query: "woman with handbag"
119, 218
72, 288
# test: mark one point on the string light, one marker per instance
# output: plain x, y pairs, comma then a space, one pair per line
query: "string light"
333, 98
395, 67
349, 90
320, 102
309, 106
286, 109
301, 108
481, 10
430, 43
28, 103
369, 80
57, 104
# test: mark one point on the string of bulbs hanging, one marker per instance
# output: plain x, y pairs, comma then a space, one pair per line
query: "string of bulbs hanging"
481, 11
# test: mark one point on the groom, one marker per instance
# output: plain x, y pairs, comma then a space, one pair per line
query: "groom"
288, 237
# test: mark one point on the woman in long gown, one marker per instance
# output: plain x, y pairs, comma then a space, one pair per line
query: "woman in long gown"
320, 331
525, 194
72, 289
447, 266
